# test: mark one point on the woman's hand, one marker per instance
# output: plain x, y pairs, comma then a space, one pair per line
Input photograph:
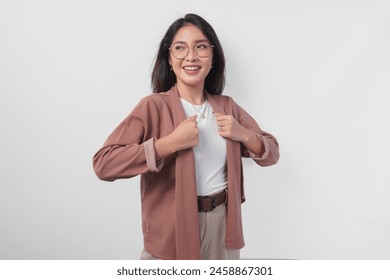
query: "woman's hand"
230, 128
185, 136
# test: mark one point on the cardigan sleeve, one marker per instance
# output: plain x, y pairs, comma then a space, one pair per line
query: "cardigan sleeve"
270, 155
129, 150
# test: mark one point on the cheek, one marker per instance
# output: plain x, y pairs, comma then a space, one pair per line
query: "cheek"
175, 67
209, 66
175, 63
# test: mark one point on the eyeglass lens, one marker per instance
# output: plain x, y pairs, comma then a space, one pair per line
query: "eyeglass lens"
181, 50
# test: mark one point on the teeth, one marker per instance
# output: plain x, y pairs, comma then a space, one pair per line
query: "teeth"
191, 68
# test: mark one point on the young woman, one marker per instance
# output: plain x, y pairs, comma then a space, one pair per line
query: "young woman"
186, 141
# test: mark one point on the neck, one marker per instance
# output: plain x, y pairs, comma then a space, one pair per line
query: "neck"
194, 95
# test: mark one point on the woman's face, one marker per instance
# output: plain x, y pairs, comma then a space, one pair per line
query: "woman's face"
191, 56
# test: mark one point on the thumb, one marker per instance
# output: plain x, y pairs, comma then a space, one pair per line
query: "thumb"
193, 118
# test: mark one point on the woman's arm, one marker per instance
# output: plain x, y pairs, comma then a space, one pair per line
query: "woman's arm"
134, 148
257, 144
130, 149
124, 155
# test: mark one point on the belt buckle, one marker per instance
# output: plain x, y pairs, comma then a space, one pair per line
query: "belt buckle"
213, 203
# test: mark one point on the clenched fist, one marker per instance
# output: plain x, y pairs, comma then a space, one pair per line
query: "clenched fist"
186, 134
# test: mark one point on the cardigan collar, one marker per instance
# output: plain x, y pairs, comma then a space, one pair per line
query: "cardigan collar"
178, 110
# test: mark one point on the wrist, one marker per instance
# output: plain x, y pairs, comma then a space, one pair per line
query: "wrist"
247, 137
252, 142
164, 147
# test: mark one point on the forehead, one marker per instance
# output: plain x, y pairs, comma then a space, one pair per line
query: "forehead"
189, 34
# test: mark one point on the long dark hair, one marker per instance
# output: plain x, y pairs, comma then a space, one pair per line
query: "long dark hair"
163, 78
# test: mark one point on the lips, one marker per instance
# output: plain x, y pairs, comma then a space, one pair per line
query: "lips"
191, 68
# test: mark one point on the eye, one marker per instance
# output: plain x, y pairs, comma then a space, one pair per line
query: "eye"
202, 46
179, 47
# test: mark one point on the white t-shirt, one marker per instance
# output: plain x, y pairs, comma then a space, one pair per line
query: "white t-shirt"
210, 153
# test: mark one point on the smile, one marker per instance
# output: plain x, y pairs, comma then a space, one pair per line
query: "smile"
191, 68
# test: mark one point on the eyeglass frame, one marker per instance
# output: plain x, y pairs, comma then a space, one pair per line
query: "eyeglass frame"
190, 47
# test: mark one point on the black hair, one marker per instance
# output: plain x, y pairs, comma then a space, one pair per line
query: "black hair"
163, 78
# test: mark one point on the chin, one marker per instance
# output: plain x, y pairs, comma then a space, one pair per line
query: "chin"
193, 82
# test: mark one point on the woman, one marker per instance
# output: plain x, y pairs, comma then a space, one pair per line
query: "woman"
186, 141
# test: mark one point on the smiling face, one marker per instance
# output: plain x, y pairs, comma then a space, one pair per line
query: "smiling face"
192, 70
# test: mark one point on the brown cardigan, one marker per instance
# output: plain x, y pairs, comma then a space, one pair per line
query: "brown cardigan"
168, 189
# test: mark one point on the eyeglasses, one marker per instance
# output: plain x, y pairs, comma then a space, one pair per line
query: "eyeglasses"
181, 50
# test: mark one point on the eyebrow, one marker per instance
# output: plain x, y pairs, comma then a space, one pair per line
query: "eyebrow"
196, 41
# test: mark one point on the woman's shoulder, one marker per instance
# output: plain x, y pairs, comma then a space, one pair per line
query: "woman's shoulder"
155, 99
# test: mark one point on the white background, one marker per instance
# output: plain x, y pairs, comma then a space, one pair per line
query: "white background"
314, 73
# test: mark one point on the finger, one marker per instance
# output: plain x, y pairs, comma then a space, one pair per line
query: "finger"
219, 116
192, 118
222, 133
222, 122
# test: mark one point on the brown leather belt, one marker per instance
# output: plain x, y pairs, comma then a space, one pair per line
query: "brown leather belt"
209, 203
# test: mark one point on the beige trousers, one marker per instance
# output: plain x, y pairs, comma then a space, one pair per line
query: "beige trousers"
212, 230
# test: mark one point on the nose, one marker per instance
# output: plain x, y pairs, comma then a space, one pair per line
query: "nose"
191, 56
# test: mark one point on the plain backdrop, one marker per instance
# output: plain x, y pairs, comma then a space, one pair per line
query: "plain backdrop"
313, 73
